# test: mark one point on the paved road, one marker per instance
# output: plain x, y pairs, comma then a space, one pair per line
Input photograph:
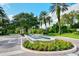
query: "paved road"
12, 47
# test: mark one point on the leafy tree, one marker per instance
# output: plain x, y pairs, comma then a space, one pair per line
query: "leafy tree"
3, 16
4, 20
26, 21
77, 16
68, 18
12, 26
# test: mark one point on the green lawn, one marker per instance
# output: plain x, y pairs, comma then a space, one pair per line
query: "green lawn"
70, 35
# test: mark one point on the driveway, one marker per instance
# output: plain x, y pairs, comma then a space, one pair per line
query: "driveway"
11, 46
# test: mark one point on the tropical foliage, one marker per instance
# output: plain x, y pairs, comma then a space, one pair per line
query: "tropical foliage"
55, 45
28, 23
44, 18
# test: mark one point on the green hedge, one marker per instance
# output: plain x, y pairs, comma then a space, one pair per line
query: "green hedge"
4, 32
55, 45
37, 31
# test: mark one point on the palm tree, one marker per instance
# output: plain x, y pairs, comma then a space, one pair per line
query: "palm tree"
58, 7
48, 19
43, 15
40, 23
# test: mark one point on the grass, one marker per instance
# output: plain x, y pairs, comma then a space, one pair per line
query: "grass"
70, 35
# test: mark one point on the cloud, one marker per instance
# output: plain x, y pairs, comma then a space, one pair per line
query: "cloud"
10, 17
5, 5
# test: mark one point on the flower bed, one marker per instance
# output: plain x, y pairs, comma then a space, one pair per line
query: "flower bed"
54, 45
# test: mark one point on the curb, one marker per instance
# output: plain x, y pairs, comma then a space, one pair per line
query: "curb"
74, 49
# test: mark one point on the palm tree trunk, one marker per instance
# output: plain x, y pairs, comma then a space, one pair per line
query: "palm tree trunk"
58, 16
41, 24
46, 27
59, 25
49, 23
45, 24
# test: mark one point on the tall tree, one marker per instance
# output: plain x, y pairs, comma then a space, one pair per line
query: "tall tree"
40, 20
58, 7
43, 19
48, 19
25, 21
4, 20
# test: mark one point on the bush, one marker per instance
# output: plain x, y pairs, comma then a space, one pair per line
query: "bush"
4, 31
76, 33
17, 30
64, 29
54, 29
55, 45
71, 30
75, 25
37, 31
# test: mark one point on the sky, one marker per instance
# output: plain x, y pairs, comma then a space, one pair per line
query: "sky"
12, 9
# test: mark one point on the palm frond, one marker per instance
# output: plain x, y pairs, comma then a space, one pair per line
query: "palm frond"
52, 7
